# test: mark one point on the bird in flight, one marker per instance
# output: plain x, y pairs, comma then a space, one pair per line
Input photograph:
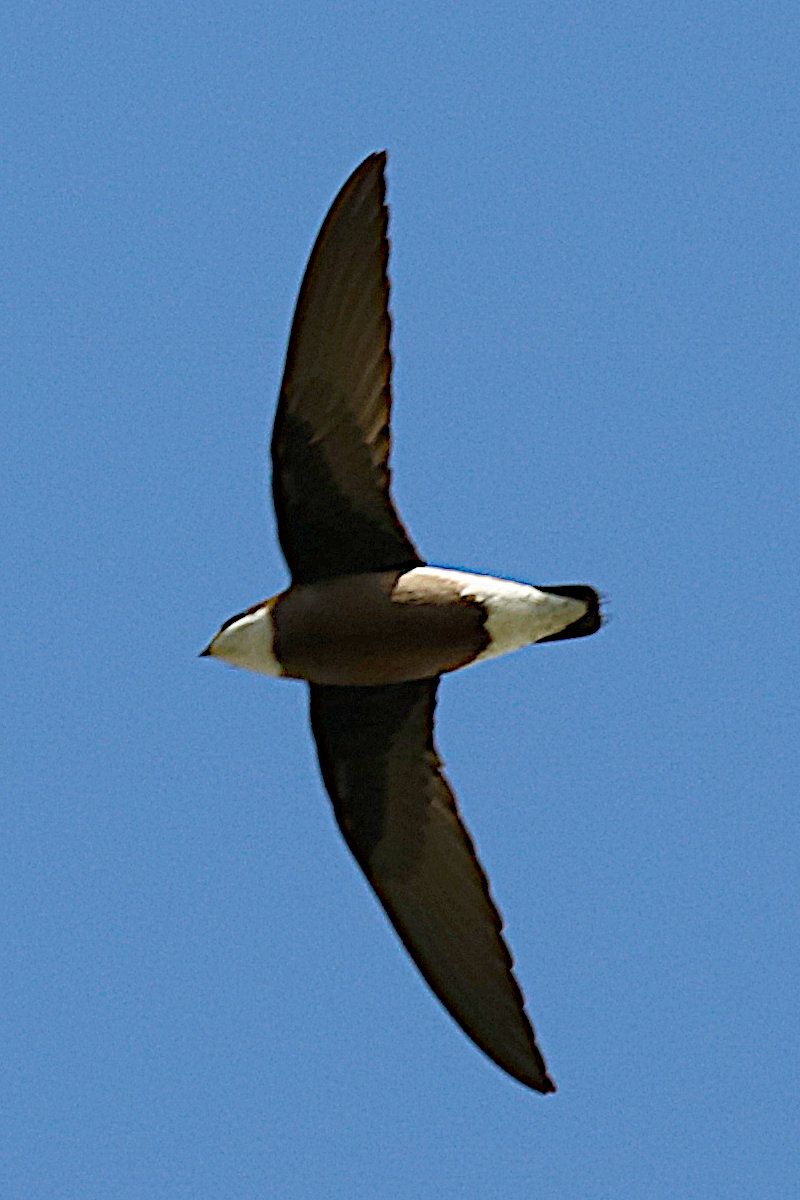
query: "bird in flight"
371, 628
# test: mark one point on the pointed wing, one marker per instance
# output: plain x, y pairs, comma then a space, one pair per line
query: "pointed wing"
330, 444
400, 819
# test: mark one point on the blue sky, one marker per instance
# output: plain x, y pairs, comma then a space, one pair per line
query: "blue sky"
594, 266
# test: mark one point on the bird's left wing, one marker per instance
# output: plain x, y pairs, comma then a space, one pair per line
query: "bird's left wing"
399, 817
330, 445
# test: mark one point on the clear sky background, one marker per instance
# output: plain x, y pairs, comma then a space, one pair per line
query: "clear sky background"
595, 291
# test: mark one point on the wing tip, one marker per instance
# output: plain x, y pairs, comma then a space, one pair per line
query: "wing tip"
372, 172
535, 1077
373, 163
532, 1074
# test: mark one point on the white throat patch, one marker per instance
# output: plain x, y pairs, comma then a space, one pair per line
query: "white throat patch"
249, 641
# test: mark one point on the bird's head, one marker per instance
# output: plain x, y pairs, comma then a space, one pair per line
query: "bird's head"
247, 640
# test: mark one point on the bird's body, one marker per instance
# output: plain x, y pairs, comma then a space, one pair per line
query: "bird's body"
391, 627
371, 627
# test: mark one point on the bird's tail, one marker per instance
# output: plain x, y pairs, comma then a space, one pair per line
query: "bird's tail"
591, 620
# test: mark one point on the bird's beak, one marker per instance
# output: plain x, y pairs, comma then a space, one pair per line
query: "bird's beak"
207, 652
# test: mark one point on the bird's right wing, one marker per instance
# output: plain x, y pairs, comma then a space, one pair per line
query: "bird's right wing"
399, 817
330, 444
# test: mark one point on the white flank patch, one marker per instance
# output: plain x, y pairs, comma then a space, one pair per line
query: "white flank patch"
249, 642
519, 614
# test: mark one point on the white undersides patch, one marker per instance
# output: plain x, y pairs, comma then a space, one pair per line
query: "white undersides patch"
518, 614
